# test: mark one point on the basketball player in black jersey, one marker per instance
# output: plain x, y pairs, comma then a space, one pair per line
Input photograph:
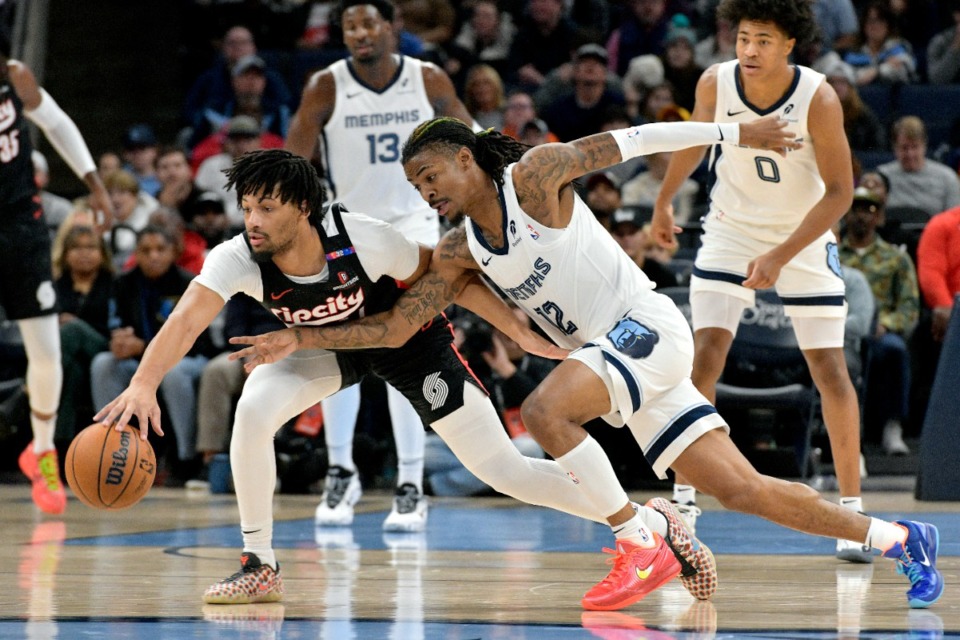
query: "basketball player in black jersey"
314, 266
26, 285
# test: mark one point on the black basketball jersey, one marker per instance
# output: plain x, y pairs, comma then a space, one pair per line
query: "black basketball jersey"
16, 166
348, 293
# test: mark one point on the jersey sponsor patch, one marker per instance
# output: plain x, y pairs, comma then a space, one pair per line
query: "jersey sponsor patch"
335, 308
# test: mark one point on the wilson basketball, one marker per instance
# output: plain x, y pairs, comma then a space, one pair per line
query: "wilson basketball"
110, 469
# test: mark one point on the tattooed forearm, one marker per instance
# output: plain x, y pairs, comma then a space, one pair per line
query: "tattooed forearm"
426, 298
367, 333
548, 168
598, 151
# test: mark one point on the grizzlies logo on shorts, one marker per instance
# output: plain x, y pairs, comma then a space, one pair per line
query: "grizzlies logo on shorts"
833, 259
633, 339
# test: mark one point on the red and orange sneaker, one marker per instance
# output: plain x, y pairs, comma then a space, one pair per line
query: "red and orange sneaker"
255, 582
636, 572
44, 473
699, 569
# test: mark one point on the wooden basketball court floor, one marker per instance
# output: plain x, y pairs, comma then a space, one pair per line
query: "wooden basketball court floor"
486, 568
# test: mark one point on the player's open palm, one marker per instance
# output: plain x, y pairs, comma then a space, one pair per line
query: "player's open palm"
265, 349
769, 133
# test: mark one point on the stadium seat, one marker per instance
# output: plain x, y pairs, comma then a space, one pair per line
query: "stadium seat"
935, 105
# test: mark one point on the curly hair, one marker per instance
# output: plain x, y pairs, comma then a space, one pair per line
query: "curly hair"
491, 150
794, 17
288, 175
384, 7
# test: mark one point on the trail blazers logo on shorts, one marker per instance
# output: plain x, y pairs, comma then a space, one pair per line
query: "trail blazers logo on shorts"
435, 390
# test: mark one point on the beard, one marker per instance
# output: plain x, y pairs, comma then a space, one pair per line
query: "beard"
263, 256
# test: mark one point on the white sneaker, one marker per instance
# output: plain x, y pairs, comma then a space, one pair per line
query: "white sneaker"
409, 512
341, 491
854, 552
689, 513
893, 442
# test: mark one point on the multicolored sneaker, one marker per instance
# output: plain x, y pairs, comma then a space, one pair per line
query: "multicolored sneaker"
409, 512
341, 491
917, 559
699, 569
44, 474
636, 572
255, 582
689, 512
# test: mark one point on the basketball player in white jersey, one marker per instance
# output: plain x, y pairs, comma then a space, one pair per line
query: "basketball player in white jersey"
769, 223
530, 234
360, 110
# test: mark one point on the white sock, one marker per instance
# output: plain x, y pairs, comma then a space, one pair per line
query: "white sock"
267, 556
883, 535
636, 531
684, 494
339, 423
42, 432
655, 521
590, 468
409, 438
854, 504
411, 472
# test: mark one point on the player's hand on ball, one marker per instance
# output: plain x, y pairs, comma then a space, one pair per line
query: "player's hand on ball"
136, 401
265, 348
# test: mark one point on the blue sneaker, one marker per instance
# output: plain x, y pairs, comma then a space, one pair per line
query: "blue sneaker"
917, 559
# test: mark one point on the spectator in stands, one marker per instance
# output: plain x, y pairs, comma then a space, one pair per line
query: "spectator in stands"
216, 143
84, 285
519, 110
642, 31
534, 133
434, 22
483, 96
680, 66
543, 42
627, 228
882, 56
208, 218
893, 281
643, 75
915, 180
249, 81
215, 86
513, 376
143, 299
140, 157
559, 82
861, 309
190, 248
837, 20
659, 97
486, 37
581, 113
863, 128
107, 163
132, 207
178, 191
242, 135
55, 208
943, 52
718, 47
877, 182
938, 270
603, 196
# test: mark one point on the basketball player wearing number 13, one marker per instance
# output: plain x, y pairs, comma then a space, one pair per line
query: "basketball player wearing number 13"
769, 223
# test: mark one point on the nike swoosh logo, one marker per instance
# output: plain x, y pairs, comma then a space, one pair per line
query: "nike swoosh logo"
721, 133
277, 296
735, 113
643, 574
925, 561
487, 260
354, 95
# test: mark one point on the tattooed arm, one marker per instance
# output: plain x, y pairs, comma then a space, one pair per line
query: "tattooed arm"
450, 271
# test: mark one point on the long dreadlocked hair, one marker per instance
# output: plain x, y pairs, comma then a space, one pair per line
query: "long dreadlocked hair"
281, 173
492, 150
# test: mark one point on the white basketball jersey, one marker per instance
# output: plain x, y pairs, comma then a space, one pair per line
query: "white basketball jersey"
758, 187
576, 282
361, 146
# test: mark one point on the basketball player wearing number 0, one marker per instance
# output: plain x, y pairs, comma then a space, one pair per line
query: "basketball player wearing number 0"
769, 222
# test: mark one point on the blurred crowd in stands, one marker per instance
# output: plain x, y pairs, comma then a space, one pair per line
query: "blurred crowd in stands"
541, 71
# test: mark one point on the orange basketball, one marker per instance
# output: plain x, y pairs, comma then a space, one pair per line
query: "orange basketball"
110, 469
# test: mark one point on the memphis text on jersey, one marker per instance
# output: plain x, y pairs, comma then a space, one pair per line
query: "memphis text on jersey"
528, 288
381, 119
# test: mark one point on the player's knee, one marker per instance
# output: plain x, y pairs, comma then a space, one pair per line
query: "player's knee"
536, 413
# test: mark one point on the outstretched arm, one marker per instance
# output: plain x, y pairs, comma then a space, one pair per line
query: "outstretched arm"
429, 295
316, 105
